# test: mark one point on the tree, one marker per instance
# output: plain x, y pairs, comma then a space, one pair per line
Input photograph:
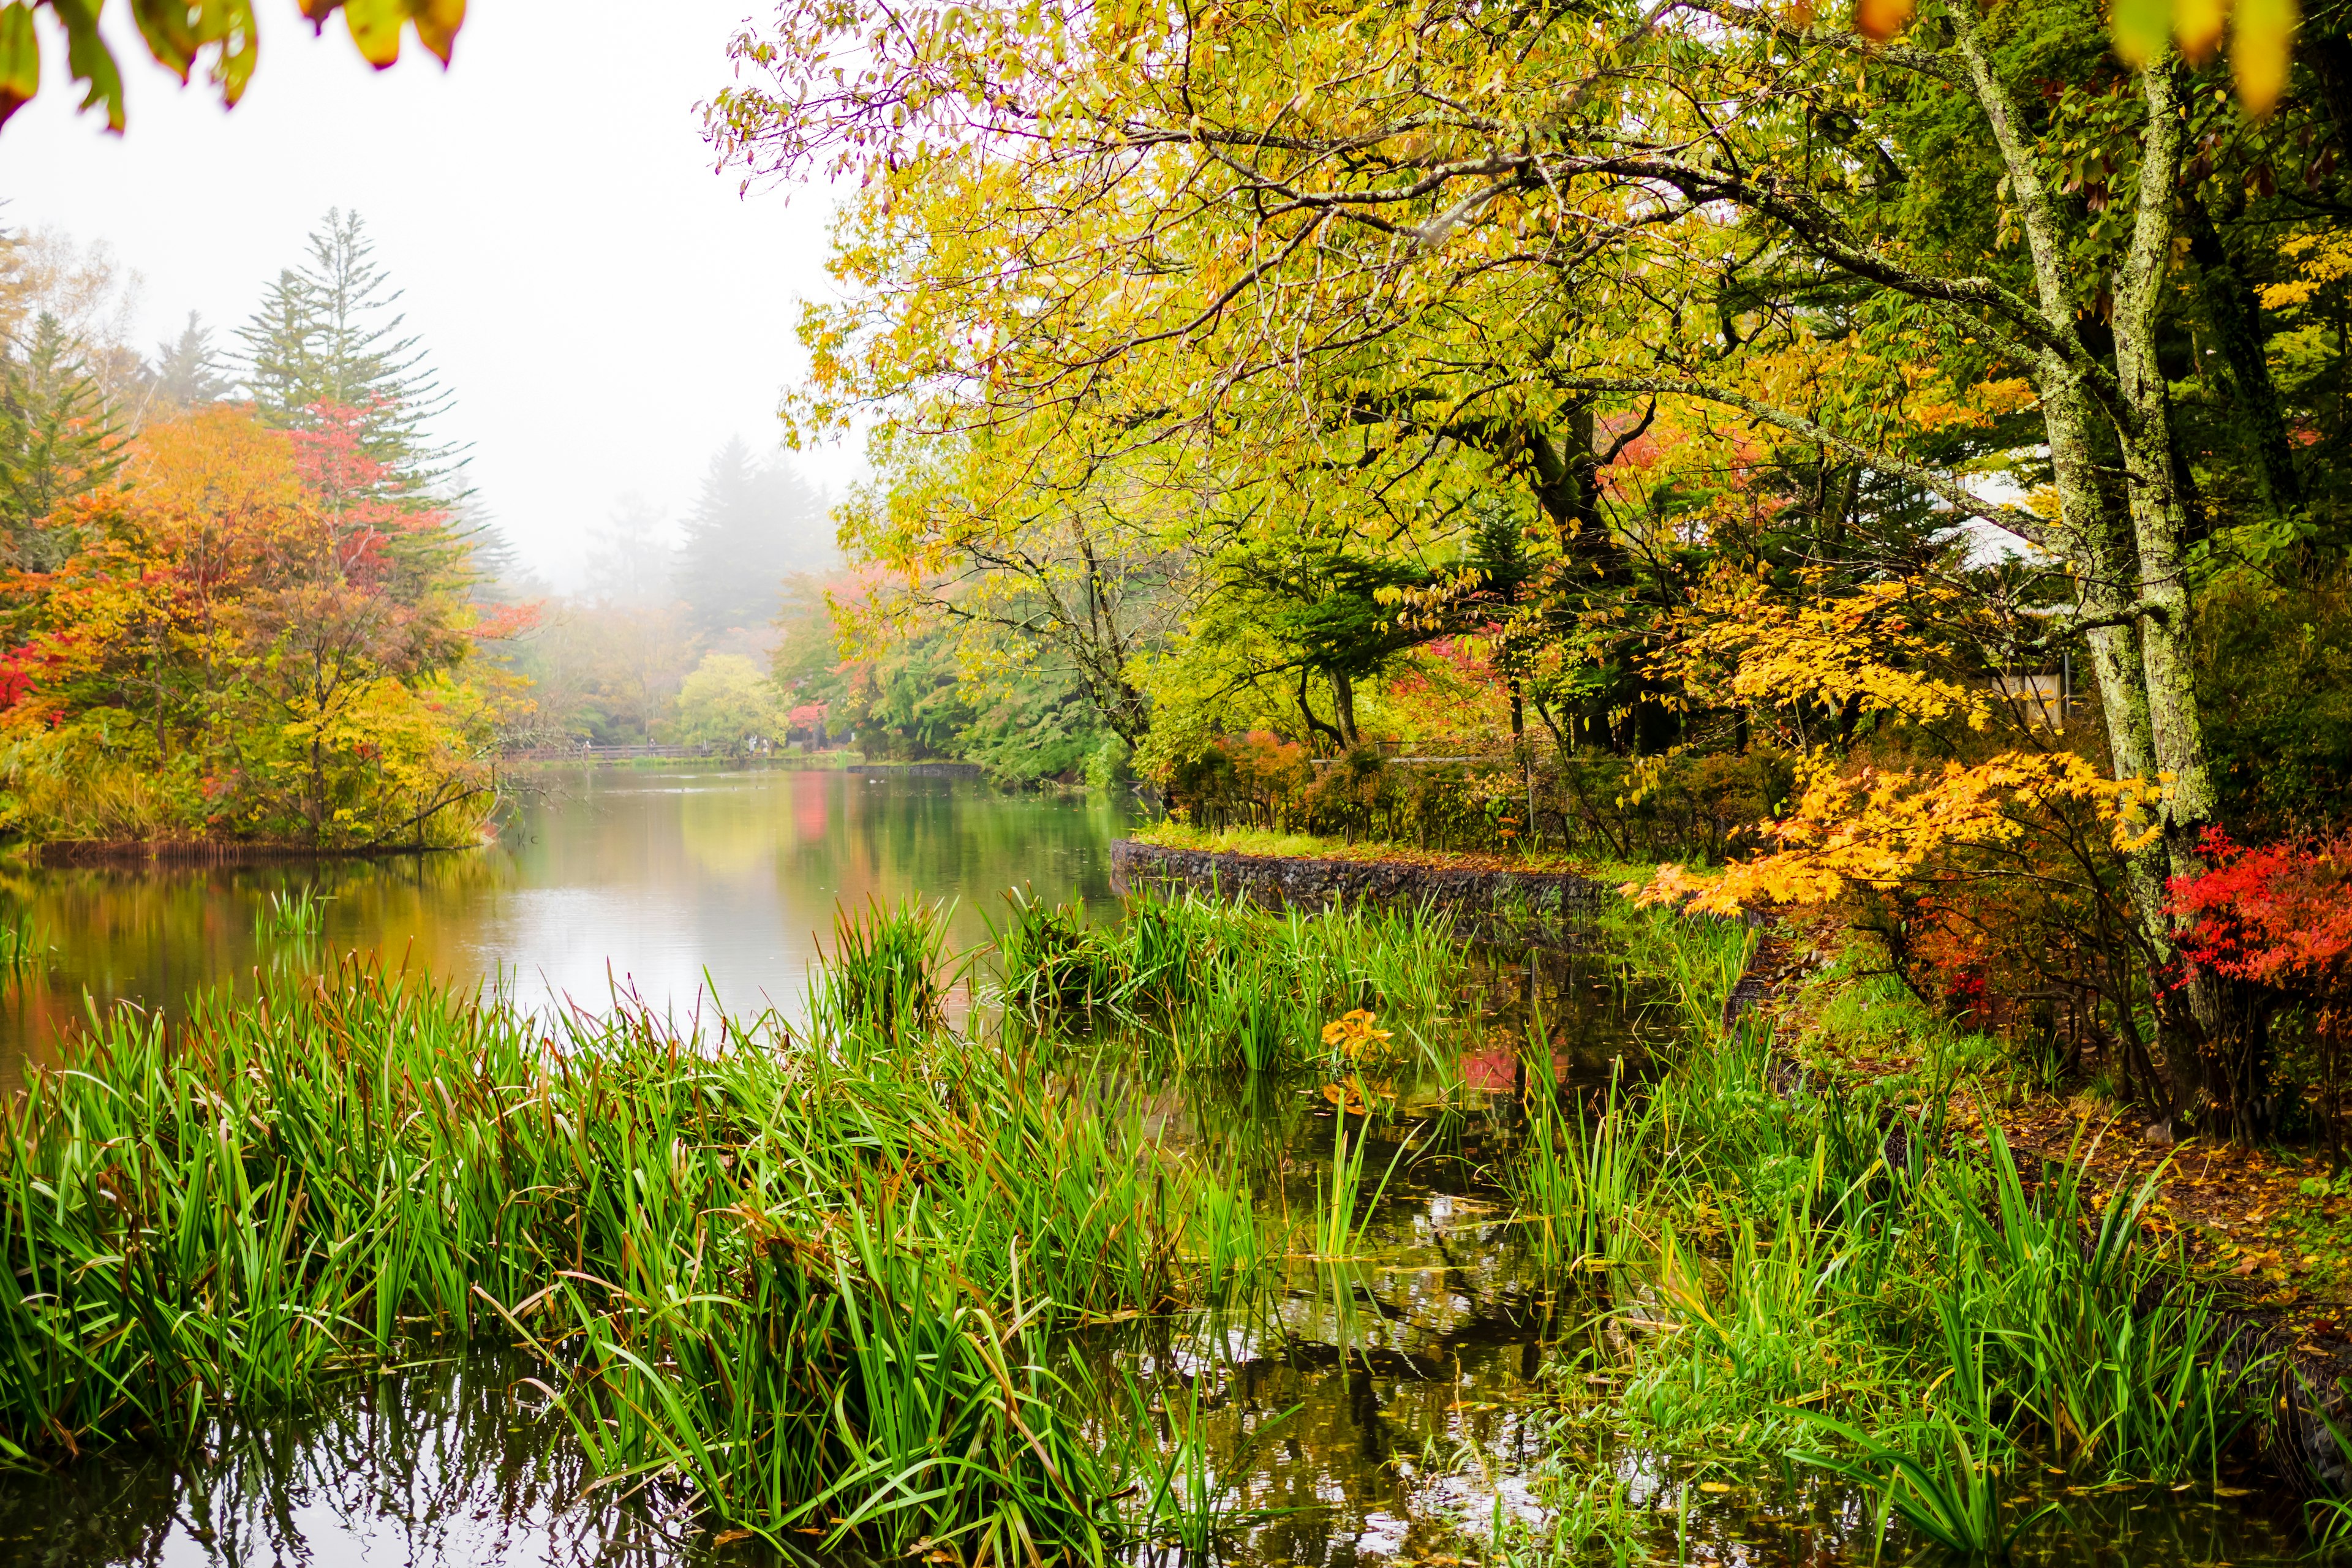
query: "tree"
215, 651
179, 36
1361, 268
330, 334
58, 439
728, 702
629, 563
753, 524
1047, 572
189, 371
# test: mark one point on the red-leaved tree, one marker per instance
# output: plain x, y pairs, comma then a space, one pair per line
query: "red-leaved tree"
2278, 918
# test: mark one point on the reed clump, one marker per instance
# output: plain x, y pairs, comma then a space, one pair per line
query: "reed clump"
809, 1279
1223, 984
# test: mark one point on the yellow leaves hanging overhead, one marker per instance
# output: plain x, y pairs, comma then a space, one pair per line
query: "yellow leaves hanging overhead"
2262, 33
178, 33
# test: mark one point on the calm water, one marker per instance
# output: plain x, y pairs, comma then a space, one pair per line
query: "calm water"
655, 883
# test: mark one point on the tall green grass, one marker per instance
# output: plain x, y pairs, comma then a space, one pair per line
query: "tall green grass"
815, 1276
24, 951
1222, 984
1790, 1260
297, 915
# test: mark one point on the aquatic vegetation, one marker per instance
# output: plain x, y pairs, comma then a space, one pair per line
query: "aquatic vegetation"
891, 970
810, 1279
1341, 1204
1579, 1179
24, 949
292, 916
1224, 985
1776, 1261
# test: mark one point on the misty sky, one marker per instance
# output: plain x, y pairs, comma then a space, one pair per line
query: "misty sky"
607, 310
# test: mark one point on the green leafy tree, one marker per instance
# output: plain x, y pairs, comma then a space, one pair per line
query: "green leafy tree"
729, 702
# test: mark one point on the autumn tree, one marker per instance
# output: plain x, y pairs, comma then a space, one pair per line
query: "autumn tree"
215, 652
330, 334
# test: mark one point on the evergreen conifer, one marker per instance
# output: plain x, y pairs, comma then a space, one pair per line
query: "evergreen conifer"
330, 333
753, 524
189, 371
58, 438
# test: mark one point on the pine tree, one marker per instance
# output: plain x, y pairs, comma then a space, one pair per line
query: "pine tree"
58, 439
753, 524
328, 333
189, 371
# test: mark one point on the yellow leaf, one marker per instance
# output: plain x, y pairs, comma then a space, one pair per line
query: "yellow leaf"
2261, 32
375, 27
1880, 19
2196, 24
20, 60
2140, 29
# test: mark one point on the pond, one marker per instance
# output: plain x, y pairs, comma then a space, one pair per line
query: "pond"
1386, 1412
670, 887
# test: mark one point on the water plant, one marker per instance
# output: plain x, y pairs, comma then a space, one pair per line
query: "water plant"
1789, 1259
1580, 1178
890, 970
1341, 1207
22, 949
805, 1279
297, 915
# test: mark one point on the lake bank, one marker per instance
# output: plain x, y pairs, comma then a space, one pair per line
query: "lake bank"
1478, 887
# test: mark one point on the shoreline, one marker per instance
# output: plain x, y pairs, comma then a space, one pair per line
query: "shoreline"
1282, 881
182, 852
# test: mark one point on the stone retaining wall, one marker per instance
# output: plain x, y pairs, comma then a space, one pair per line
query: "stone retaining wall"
1284, 881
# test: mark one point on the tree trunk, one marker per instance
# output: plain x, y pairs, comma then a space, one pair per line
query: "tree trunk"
2231, 305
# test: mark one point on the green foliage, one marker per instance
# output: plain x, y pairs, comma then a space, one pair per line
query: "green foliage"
816, 1274
327, 336
58, 439
729, 703
890, 971
1832, 1263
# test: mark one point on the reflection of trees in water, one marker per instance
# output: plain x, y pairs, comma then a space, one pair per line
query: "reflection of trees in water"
160, 934
435, 1465
726, 854
893, 839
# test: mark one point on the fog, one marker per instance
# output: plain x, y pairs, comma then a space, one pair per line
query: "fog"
606, 310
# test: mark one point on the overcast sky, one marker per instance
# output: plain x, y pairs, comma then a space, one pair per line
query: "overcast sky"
605, 307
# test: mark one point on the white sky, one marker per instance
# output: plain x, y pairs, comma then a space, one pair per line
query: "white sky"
605, 307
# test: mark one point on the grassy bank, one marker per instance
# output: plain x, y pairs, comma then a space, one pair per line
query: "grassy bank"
1861, 1275
1169, 833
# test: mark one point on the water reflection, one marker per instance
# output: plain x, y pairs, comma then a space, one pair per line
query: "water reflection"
667, 885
